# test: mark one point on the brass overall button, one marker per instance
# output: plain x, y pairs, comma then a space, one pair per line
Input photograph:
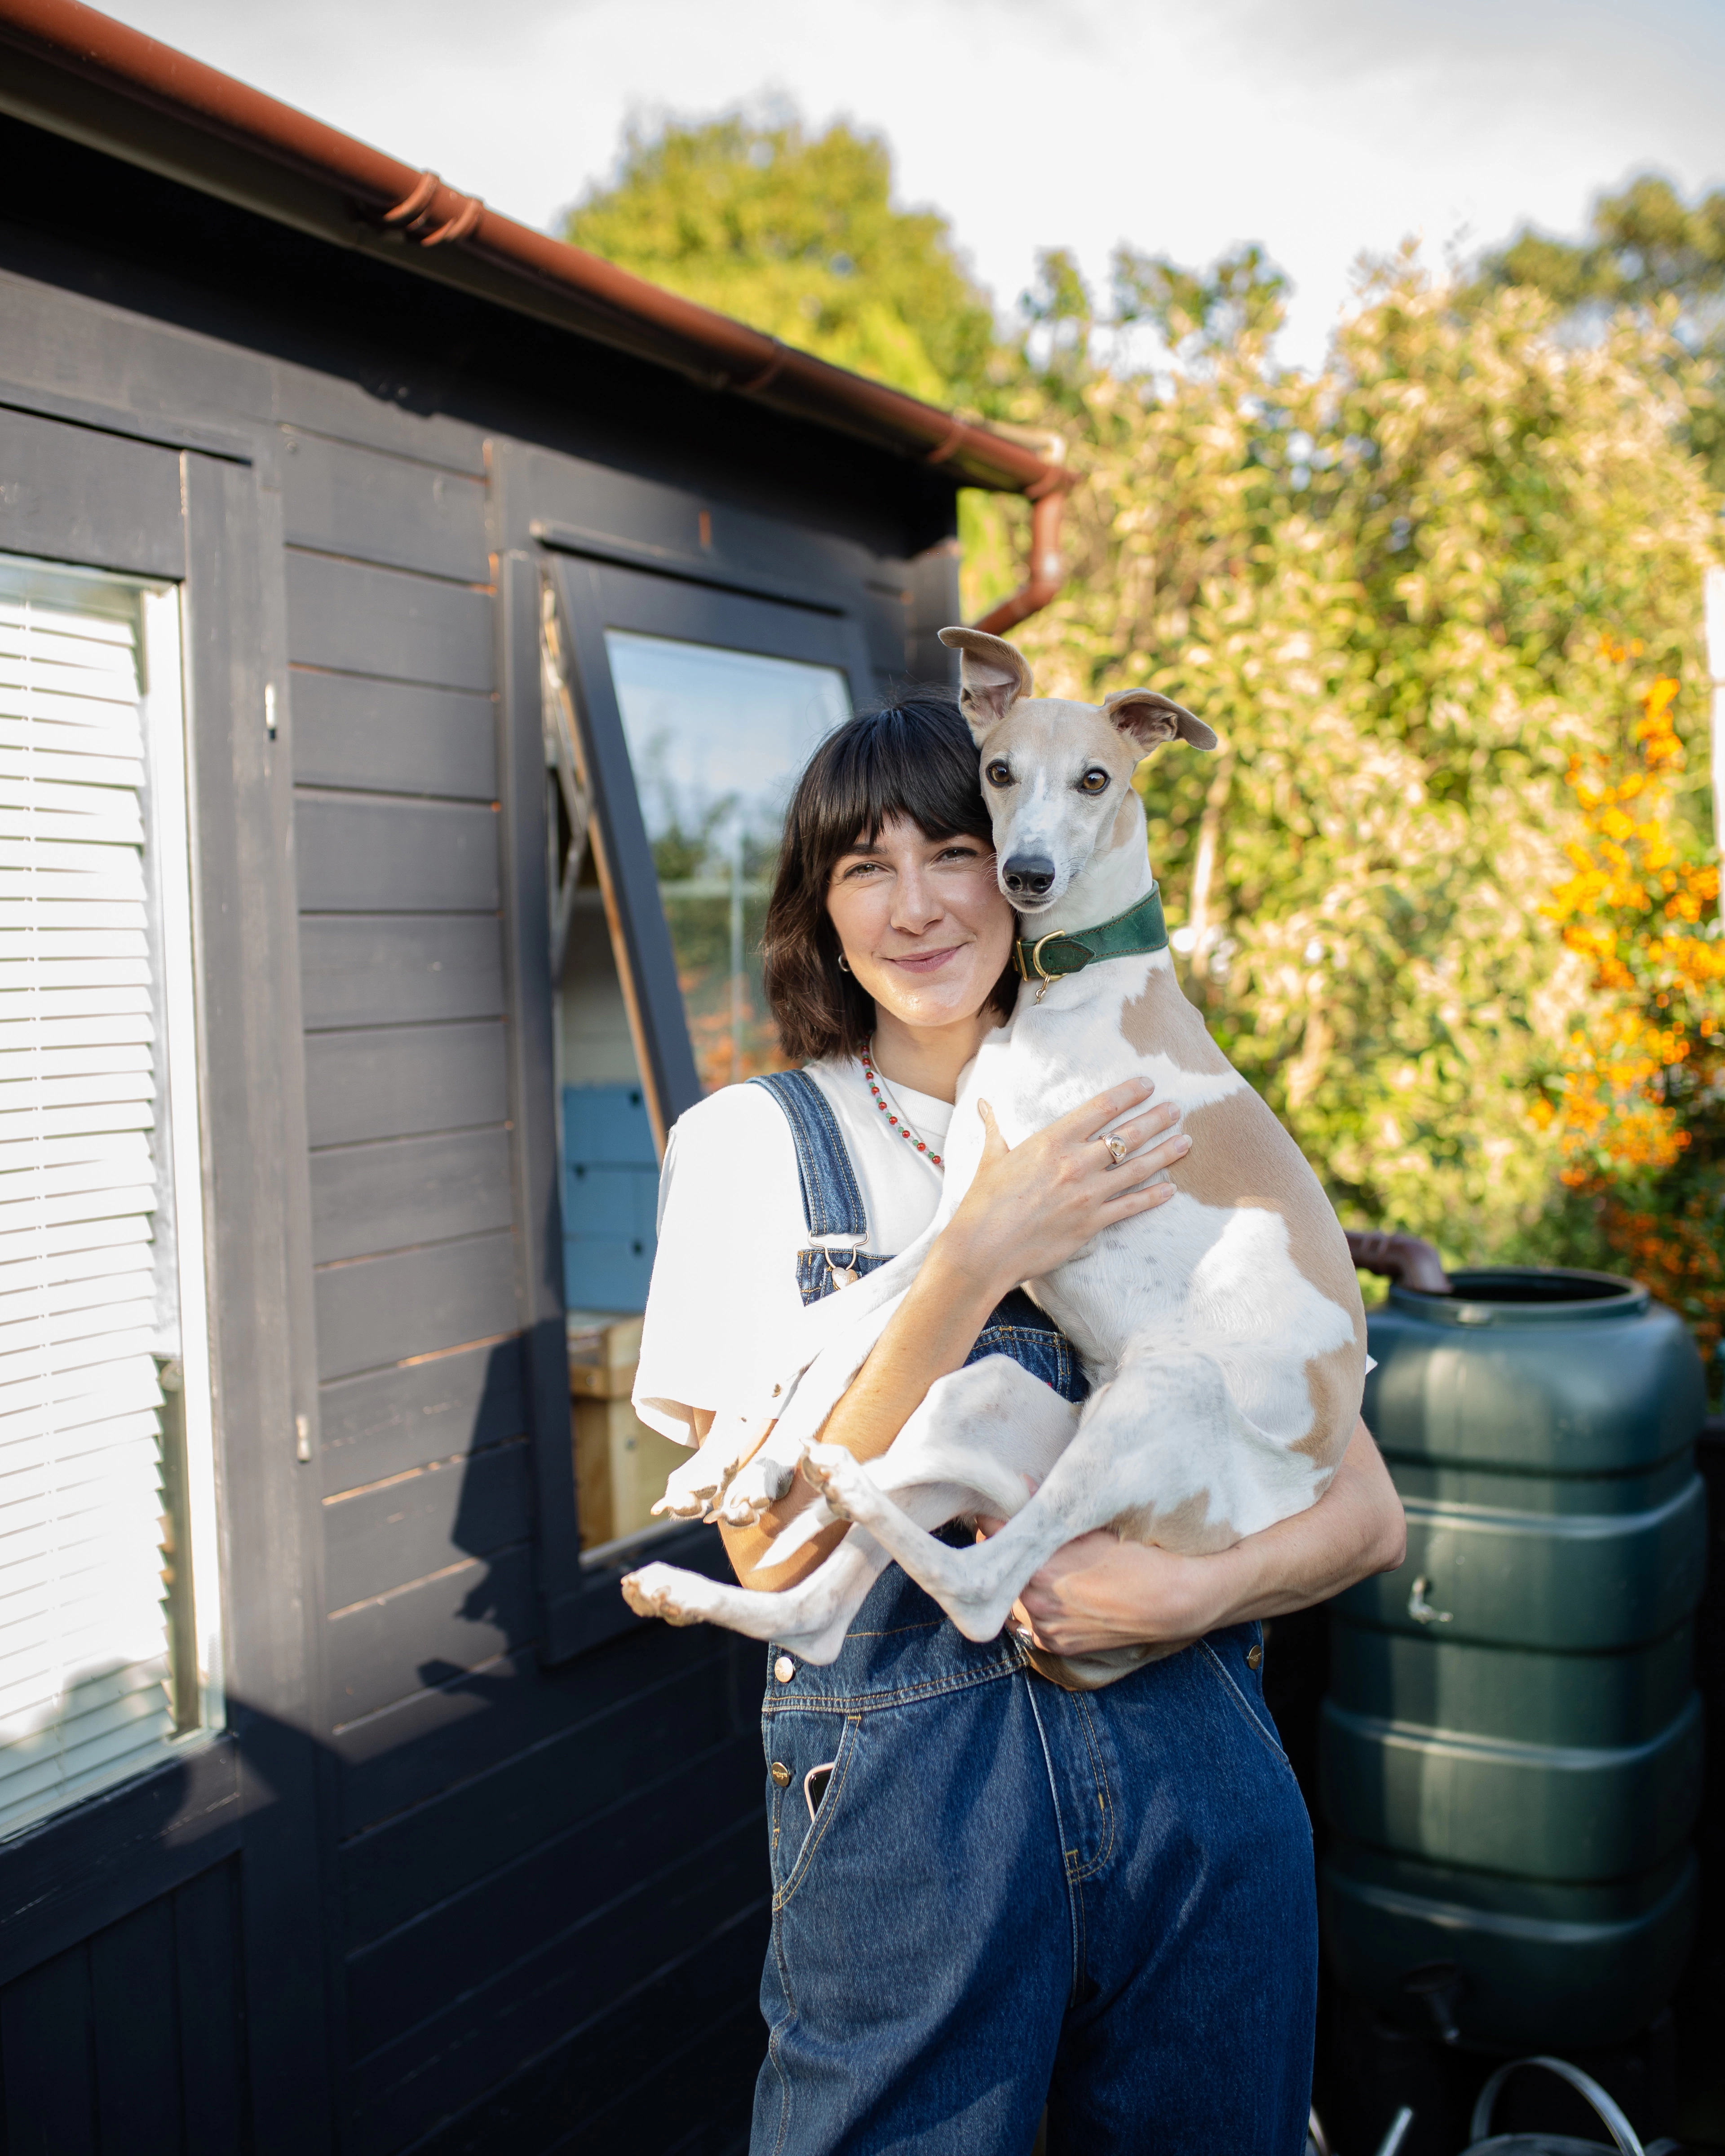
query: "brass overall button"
784, 1669
781, 1774
1255, 1657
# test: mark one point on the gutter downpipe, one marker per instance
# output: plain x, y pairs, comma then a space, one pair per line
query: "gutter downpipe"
1047, 569
722, 354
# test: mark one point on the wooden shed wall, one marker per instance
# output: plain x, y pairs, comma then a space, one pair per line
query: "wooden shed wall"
532, 1912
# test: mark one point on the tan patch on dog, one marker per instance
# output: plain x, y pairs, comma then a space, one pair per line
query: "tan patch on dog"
1162, 1022
1186, 1528
1241, 1156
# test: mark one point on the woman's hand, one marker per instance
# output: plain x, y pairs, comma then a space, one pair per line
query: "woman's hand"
1032, 1206
1099, 1592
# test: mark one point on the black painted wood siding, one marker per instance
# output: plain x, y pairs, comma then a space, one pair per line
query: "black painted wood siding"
541, 1891
564, 1868
130, 2043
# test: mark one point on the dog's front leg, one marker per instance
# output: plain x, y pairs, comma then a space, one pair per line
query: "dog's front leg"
767, 1477
693, 1487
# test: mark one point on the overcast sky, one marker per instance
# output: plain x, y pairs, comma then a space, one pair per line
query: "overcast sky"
1320, 128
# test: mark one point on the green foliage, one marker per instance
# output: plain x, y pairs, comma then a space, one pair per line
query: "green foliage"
1392, 586
1386, 587
1645, 243
1651, 252
797, 235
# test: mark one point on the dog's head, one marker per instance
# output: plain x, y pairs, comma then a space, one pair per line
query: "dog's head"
1057, 775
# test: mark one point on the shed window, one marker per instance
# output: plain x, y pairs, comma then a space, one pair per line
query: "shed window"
108, 1611
717, 739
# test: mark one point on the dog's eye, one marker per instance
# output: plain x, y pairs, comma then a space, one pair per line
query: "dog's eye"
1000, 773
1094, 781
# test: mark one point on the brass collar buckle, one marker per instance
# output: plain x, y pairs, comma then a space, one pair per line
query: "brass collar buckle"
1036, 961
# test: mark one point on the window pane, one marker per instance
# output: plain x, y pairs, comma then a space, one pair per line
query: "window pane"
717, 738
104, 1415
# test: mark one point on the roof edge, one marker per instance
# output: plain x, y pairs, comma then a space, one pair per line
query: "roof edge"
434, 228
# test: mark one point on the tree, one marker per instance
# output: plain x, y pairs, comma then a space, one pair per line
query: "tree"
797, 235
1651, 253
1385, 585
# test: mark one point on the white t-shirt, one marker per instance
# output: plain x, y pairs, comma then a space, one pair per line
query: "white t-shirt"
731, 1225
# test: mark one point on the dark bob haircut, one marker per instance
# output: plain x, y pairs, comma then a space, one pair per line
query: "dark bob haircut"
915, 759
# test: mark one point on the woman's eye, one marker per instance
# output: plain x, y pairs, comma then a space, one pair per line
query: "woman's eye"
1000, 773
1094, 781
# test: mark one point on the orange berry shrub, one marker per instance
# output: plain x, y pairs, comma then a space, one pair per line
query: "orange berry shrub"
1638, 1106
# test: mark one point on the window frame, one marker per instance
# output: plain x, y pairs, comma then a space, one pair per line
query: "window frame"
194, 1624
594, 585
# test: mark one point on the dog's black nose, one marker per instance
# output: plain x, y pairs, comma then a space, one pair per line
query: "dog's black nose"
1028, 875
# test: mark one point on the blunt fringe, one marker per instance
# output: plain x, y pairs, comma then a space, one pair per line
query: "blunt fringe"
914, 758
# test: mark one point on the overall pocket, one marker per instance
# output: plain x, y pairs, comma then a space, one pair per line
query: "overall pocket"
1227, 1655
809, 1756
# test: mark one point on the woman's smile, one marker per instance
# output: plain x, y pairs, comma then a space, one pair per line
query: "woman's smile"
921, 961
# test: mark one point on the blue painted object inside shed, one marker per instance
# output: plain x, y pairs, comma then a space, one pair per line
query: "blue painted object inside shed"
610, 1198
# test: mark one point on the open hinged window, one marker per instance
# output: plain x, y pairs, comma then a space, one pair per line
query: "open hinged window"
676, 720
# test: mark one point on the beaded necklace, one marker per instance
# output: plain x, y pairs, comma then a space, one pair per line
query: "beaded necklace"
903, 1128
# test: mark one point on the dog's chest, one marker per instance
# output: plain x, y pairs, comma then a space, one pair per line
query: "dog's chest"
1126, 1019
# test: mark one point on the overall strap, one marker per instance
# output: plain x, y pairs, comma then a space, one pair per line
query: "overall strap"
832, 1200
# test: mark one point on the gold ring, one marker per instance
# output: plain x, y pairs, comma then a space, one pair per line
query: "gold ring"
1116, 1146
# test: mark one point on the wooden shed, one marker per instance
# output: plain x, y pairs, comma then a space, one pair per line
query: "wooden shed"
407, 627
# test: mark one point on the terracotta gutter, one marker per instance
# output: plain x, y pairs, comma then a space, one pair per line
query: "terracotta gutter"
428, 214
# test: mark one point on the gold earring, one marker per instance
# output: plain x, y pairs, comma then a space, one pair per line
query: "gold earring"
844, 963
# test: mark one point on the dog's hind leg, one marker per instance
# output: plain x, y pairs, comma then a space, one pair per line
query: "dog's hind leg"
810, 1618
1130, 1460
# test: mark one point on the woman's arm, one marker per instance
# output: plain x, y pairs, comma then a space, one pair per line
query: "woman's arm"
1099, 1592
1030, 1207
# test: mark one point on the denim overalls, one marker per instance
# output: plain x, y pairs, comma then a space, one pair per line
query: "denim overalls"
990, 1894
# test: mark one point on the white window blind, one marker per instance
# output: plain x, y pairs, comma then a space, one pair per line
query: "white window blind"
98, 1643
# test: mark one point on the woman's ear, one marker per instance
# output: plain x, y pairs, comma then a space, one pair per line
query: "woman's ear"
992, 677
1149, 720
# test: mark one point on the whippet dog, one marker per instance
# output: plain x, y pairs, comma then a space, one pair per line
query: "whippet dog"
1222, 1332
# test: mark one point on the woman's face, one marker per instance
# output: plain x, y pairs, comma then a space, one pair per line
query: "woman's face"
922, 922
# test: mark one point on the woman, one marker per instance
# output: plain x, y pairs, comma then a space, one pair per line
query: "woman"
991, 1893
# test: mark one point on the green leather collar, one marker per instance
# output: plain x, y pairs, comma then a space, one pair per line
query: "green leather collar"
1140, 928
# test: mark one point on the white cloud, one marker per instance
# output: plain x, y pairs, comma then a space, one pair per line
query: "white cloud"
1322, 128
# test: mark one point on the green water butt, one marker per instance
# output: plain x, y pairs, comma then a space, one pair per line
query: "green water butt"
1511, 1713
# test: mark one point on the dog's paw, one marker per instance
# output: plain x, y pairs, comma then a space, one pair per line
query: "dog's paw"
688, 1490
830, 1470
685, 1505
754, 1490
658, 1590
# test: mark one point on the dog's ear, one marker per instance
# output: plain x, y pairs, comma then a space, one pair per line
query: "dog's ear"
1148, 720
992, 677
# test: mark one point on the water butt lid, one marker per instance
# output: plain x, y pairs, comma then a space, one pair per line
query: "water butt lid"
1525, 1295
